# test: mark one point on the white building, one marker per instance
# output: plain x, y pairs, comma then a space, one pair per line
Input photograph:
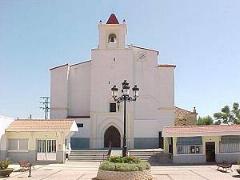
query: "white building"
201, 144
83, 92
4, 123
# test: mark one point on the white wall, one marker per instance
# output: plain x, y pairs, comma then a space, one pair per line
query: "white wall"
105, 30
59, 92
84, 131
106, 72
4, 123
165, 87
79, 89
145, 74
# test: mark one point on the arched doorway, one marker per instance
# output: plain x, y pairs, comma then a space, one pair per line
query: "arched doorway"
112, 135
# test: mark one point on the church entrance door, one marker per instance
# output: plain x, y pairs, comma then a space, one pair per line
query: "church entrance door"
112, 135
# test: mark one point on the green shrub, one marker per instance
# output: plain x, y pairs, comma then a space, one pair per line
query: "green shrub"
128, 159
124, 164
4, 164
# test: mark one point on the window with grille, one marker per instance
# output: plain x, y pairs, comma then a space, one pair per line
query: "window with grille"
189, 145
229, 144
46, 146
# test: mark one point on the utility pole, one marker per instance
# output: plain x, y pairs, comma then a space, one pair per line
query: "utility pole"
45, 105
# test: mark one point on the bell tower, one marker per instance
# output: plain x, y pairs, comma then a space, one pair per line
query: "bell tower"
112, 34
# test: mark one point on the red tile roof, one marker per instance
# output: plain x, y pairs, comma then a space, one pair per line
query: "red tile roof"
40, 125
112, 19
204, 130
180, 112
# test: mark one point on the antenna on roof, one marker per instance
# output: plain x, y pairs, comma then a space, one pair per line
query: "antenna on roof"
45, 106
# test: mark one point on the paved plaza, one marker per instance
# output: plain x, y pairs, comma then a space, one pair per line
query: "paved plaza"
88, 170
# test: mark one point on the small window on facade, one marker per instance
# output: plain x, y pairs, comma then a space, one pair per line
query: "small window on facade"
112, 38
113, 107
18, 144
79, 125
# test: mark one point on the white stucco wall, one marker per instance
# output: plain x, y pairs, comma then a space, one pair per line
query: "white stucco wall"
166, 86
79, 89
84, 131
4, 123
120, 30
109, 67
59, 92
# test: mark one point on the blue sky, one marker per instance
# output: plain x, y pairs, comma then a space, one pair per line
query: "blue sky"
201, 37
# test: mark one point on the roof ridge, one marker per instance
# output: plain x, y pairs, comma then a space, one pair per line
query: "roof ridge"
58, 66
183, 109
81, 62
131, 45
166, 65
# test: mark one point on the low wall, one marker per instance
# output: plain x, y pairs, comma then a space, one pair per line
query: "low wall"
31, 156
189, 159
60, 156
146, 143
229, 157
117, 175
79, 143
3, 154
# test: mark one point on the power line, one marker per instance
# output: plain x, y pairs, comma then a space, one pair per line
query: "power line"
45, 106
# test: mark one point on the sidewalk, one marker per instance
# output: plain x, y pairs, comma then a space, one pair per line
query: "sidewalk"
88, 170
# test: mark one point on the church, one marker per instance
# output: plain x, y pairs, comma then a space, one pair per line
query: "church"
82, 92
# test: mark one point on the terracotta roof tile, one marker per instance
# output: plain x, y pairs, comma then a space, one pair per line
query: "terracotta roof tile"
40, 125
204, 130
182, 112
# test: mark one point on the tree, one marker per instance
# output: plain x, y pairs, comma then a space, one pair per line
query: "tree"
228, 116
207, 120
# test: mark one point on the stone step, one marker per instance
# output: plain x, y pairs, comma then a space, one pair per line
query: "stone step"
85, 158
156, 156
97, 155
87, 155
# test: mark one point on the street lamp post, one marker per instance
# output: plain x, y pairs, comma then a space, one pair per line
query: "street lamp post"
124, 98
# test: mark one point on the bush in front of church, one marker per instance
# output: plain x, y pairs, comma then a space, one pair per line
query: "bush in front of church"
124, 164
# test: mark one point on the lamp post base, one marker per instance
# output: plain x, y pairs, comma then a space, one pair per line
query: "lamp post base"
125, 151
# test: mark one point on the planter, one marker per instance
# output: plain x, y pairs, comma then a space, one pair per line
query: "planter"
6, 172
129, 175
238, 170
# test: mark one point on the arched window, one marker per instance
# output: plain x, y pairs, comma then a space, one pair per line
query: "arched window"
112, 38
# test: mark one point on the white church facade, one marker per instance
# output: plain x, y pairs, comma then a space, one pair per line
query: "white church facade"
82, 92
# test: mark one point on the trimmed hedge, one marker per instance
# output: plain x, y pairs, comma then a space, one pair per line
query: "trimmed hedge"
124, 164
